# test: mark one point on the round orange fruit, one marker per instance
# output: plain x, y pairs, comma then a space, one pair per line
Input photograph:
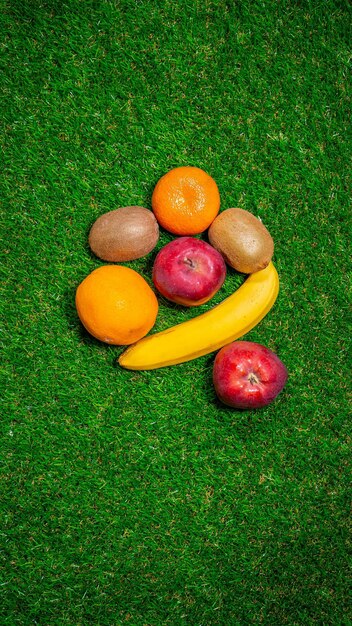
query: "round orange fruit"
186, 200
116, 305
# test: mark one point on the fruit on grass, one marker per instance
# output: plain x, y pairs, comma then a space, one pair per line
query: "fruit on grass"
210, 331
247, 375
186, 200
124, 234
242, 239
188, 271
116, 305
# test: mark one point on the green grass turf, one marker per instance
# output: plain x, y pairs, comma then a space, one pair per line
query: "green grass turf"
135, 497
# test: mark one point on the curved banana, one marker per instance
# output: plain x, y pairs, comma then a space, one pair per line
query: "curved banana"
210, 331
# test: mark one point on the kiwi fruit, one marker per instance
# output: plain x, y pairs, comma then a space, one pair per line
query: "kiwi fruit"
124, 234
242, 239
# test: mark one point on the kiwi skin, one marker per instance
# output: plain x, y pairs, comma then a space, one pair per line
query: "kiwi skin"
242, 239
124, 234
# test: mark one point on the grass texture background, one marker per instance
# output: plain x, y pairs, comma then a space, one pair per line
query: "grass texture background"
135, 497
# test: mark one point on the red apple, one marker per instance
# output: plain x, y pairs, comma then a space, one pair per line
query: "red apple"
188, 271
247, 375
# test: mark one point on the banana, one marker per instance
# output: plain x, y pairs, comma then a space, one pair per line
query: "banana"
211, 330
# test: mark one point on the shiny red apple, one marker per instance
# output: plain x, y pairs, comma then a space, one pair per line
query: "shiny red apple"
247, 375
188, 271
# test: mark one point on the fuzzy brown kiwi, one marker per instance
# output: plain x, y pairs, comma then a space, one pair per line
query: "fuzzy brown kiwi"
124, 234
242, 239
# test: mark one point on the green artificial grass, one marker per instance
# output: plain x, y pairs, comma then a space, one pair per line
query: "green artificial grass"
136, 497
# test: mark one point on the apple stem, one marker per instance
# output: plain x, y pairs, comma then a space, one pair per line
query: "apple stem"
253, 379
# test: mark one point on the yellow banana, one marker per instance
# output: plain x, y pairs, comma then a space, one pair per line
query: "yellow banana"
210, 331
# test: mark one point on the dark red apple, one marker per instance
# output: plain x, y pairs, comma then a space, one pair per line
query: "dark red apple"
188, 271
247, 375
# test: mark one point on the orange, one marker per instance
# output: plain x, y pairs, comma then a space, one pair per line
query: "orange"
116, 305
186, 201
